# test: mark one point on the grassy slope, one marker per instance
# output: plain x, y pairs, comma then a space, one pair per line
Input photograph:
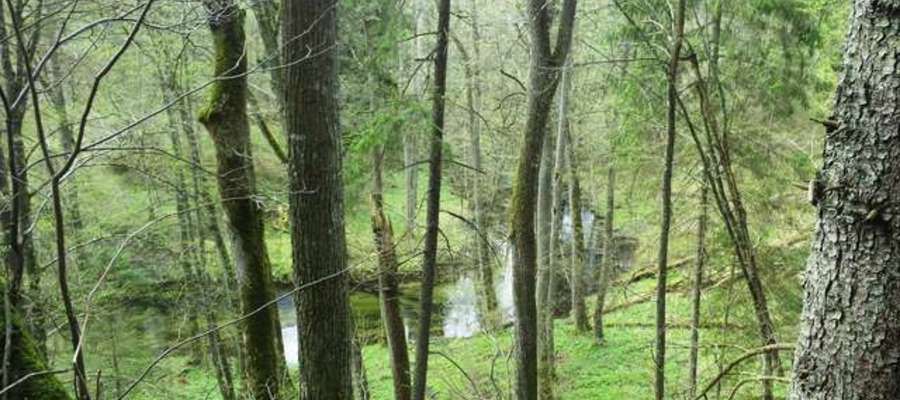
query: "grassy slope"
621, 369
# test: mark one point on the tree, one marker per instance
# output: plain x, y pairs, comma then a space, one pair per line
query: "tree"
665, 224
543, 79
316, 199
696, 290
472, 70
848, 346
225, 118
579, 309
608, 263
389, 291
429, 262
549, 270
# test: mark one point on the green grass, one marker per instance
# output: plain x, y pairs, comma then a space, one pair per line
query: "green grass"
622, 368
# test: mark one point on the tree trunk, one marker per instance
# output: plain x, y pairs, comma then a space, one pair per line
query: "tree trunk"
268, 19
550, 267
360, 380
429, 262
719, 172
579, 309
185, 217
488, 301
544, 238
608, 263
25, 359
662, 257
388, 288
316, 200
849, 345
191, 243
67, 140
696, 291
225, 118
410, 148
544, 68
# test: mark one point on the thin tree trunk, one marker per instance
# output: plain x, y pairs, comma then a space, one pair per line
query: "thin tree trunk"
488, 296
550, 267
360, 380
696, 291
268, 19
662, 257
723, 183
849, 344
191, 236
67, 140
317, 200
190, 300
608, 263
544, 66
225, 118
410, 139
429, 263
389, 291
579, 309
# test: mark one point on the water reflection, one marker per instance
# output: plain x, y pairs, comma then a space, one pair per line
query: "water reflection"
456, 313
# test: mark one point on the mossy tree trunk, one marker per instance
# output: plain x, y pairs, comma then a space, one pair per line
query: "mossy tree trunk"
316, 199
225, 118
26, 358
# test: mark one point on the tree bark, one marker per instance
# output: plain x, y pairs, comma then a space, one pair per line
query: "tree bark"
543, 78
429, 262
549, 269
716, 157
388, 288
191, 244
316, 200
225, 118
410, 142
697, 290
488, 297
579, 309
608, 263
849, 345
662, 257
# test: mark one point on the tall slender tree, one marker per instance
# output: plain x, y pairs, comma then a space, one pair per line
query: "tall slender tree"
608, 263
316, 199
696, 289
579, 309
546, 60
849, 345
429, 262
225, 118
663, 256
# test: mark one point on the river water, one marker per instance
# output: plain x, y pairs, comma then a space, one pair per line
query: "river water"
456, 308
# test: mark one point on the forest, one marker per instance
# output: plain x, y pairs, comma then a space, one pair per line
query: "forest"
450, 199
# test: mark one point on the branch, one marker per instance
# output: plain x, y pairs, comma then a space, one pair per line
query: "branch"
729, 367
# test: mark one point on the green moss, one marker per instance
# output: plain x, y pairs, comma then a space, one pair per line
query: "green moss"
25, 359
230, 60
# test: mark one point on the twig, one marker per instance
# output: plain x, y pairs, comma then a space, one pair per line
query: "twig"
729, 367
33, 375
